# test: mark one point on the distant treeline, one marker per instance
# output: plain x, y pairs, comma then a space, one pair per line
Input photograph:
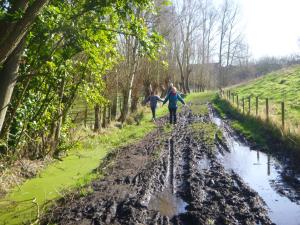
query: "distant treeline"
257, 68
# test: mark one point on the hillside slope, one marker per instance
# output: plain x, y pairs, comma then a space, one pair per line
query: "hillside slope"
278, 86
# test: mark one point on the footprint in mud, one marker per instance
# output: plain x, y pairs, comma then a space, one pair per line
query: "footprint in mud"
167, 204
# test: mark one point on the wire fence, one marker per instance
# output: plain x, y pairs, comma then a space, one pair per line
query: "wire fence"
274, 111
83, 114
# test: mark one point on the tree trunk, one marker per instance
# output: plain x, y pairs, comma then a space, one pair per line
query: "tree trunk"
132, 75
85, 116
109, 114
187, 80
97, 126
12, 112
12, 40
187, 87
8, 74
134, 103
114, 107
60, 118
128, 94
104, 119
121, 105
147, 89
125, 106
181, 75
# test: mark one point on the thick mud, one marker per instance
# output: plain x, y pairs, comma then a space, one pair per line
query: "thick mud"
173, 178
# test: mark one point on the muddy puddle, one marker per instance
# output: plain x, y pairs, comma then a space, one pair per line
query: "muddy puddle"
204, 163
262, 173
167, 204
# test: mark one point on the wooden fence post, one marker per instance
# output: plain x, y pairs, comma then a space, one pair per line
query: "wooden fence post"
243, 105
267, 108
85, 116
249, 101
256, 106
282, 115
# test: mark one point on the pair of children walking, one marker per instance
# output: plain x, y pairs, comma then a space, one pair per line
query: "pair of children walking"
173, 97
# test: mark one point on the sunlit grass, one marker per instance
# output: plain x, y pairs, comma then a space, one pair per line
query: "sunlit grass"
282, 85
200, 100
263, 134
73, 171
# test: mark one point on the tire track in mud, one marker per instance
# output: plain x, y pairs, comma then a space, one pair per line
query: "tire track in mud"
165, 179
171, 162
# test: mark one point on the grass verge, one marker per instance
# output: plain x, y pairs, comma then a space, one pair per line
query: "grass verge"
25, 203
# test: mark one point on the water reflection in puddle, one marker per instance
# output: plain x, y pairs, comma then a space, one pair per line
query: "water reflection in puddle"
259, 171
204, 163
167, 204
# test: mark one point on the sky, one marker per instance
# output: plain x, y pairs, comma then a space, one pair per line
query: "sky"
272, 27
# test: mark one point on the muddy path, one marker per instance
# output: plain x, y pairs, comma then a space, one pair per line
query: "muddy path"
167, 178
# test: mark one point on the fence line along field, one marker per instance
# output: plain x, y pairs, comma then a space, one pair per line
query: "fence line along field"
274, 97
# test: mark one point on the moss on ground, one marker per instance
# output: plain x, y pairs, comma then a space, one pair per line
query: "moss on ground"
74, 171
205, 132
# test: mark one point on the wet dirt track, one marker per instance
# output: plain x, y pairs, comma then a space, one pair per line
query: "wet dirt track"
172, 178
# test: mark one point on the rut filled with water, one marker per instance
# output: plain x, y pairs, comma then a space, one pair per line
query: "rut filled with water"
263, 173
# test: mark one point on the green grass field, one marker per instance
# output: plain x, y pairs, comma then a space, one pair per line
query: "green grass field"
282, 85
21, 205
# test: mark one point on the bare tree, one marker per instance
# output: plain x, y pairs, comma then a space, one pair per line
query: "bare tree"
129, 49
188, 24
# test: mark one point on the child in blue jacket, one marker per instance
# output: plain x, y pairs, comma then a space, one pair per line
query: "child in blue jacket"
153, 99
173, 97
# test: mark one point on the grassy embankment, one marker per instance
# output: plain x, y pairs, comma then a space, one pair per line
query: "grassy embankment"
282, 85
278, 86
21, 205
